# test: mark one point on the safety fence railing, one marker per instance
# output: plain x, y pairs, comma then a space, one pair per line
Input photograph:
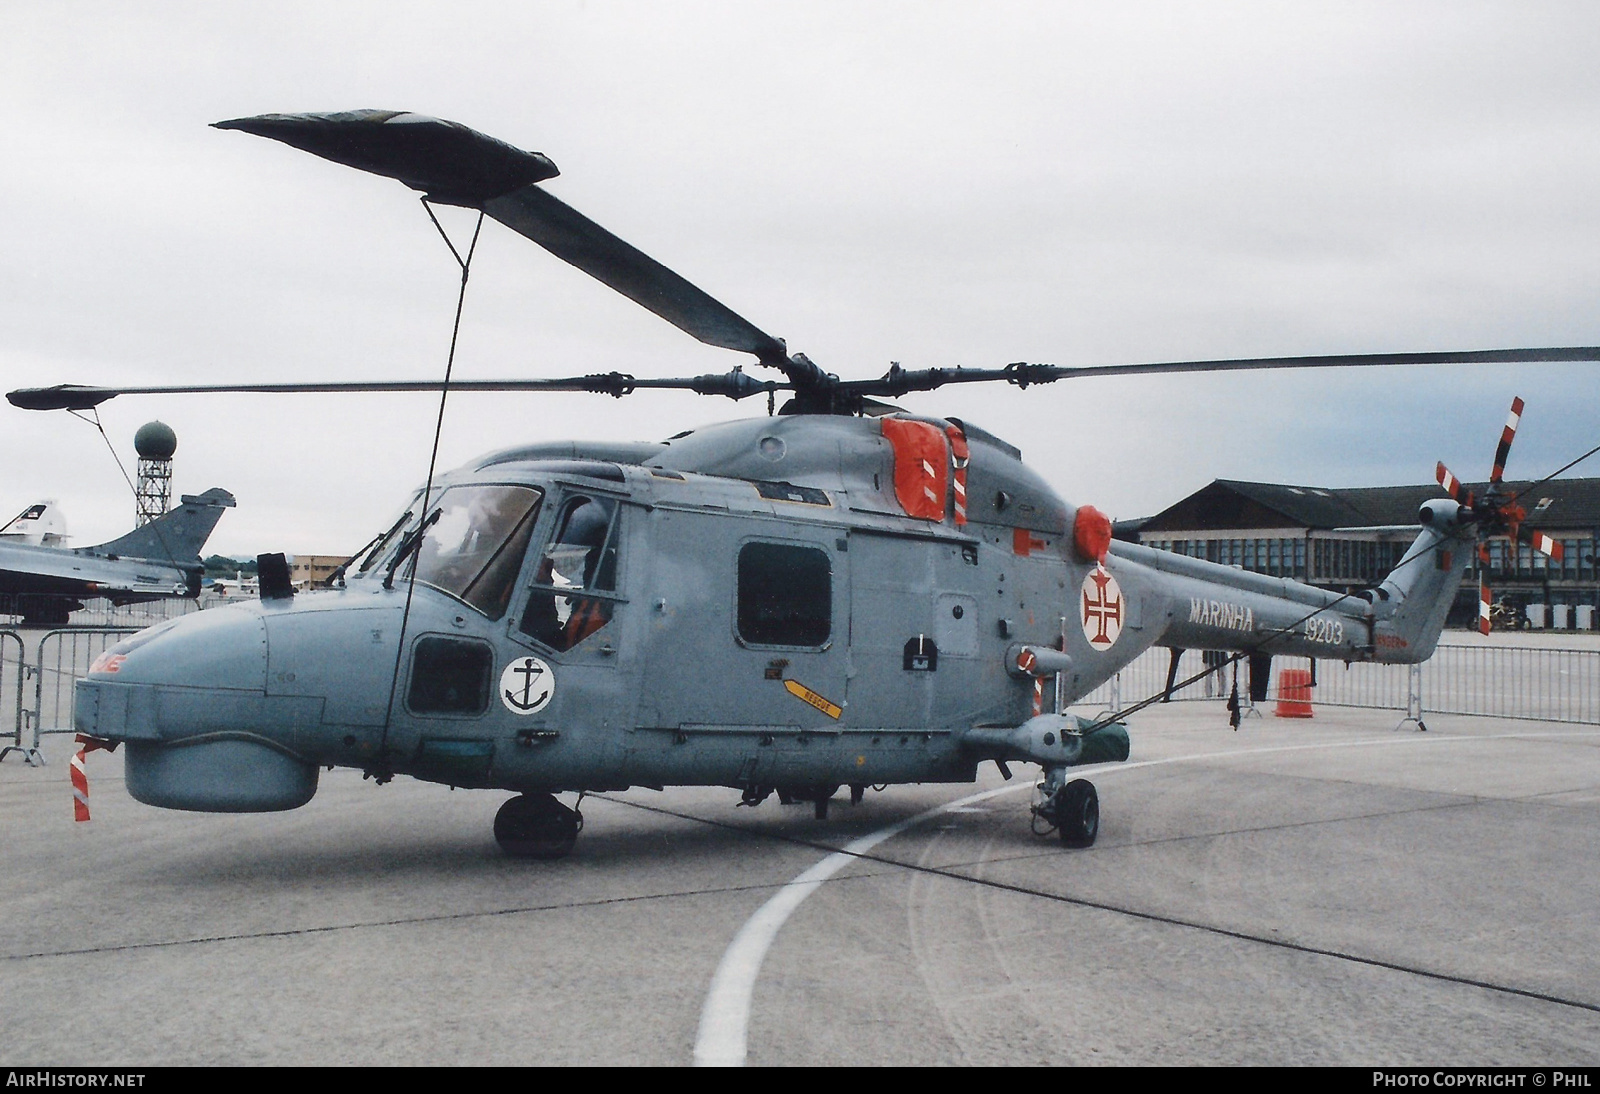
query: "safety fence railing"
1539, 683
45, 684
13, 669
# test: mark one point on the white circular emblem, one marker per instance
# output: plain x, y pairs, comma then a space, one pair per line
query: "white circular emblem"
527, 685
1102, 608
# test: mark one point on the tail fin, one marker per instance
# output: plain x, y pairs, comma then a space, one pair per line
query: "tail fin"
177, 536
1414, 599
39, 525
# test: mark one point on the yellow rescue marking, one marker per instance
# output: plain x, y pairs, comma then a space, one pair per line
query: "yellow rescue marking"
806, 695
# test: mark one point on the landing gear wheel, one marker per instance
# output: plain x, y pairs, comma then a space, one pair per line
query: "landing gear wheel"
1078, 813
536, 826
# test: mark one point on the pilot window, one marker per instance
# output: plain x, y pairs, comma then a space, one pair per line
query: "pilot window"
785, 595
450, 676
475, 542
581, 558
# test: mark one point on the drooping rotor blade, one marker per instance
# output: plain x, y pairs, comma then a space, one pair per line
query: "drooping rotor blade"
574, 238
456, 165
733, 385
899, 381
448, 162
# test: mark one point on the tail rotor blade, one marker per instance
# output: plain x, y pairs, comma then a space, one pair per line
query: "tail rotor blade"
1503, 450
1545, 545
1483, 606
1451, 484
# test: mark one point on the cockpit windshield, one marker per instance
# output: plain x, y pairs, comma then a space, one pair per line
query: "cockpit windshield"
376, 550
473, 542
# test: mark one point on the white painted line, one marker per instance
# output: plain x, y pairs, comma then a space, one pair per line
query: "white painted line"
725, 1017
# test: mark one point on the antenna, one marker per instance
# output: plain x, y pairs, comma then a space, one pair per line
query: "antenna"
155, 443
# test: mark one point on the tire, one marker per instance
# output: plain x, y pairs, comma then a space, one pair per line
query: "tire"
1078, 814
536, 826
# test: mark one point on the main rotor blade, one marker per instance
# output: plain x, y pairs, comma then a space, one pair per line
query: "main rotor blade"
898, 381
448, 162
456, 165
574, 238
733, 385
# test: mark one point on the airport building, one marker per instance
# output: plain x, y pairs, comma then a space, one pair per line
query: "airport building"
1348, 539
313, 571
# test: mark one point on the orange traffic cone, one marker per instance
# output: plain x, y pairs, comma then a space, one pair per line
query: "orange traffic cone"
1294, 694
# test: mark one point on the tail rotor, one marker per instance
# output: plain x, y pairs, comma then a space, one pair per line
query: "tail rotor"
1497, 514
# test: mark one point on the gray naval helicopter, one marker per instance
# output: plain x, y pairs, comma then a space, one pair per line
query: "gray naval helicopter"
840, 594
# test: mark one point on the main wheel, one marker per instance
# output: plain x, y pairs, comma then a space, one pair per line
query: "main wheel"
536, 826
1078, 813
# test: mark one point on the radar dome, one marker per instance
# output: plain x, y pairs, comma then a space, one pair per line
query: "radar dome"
155, 441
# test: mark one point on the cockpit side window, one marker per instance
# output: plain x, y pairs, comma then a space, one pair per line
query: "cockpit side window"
581, 557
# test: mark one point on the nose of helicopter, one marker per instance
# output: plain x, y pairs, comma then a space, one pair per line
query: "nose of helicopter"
189, 699
224, 648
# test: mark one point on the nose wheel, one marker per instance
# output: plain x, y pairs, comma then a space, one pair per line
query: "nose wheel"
1072, 809
537, 826
1078, 814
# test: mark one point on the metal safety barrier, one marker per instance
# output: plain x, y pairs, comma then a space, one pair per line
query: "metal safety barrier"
63, 658
1534, 683
13, 670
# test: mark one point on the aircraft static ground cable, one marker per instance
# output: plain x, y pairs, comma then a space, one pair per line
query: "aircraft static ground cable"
953, 873
433, 456
1556, 472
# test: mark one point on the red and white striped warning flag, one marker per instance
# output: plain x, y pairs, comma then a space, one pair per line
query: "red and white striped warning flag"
80, 779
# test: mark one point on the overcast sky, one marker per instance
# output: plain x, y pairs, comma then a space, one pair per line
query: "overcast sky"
938, 184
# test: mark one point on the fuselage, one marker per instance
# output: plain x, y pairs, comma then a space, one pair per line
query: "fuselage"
797, 602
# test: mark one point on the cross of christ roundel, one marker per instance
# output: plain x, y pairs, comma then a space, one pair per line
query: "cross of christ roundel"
1103, 608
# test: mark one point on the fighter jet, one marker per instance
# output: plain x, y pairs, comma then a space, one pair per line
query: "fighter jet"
45, 584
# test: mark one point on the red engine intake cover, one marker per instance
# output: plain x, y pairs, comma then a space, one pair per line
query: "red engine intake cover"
1091, 533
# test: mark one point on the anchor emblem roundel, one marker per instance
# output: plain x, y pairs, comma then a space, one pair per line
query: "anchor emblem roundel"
526, 685
1102, 608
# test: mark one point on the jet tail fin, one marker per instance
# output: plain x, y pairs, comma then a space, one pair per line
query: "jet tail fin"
177, 536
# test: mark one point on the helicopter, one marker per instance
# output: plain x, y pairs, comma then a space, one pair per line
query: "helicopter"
45, 583
838, 594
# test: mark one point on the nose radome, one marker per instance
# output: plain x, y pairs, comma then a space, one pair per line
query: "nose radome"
218, 648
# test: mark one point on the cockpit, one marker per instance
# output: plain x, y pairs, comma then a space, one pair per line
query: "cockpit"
472, 544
